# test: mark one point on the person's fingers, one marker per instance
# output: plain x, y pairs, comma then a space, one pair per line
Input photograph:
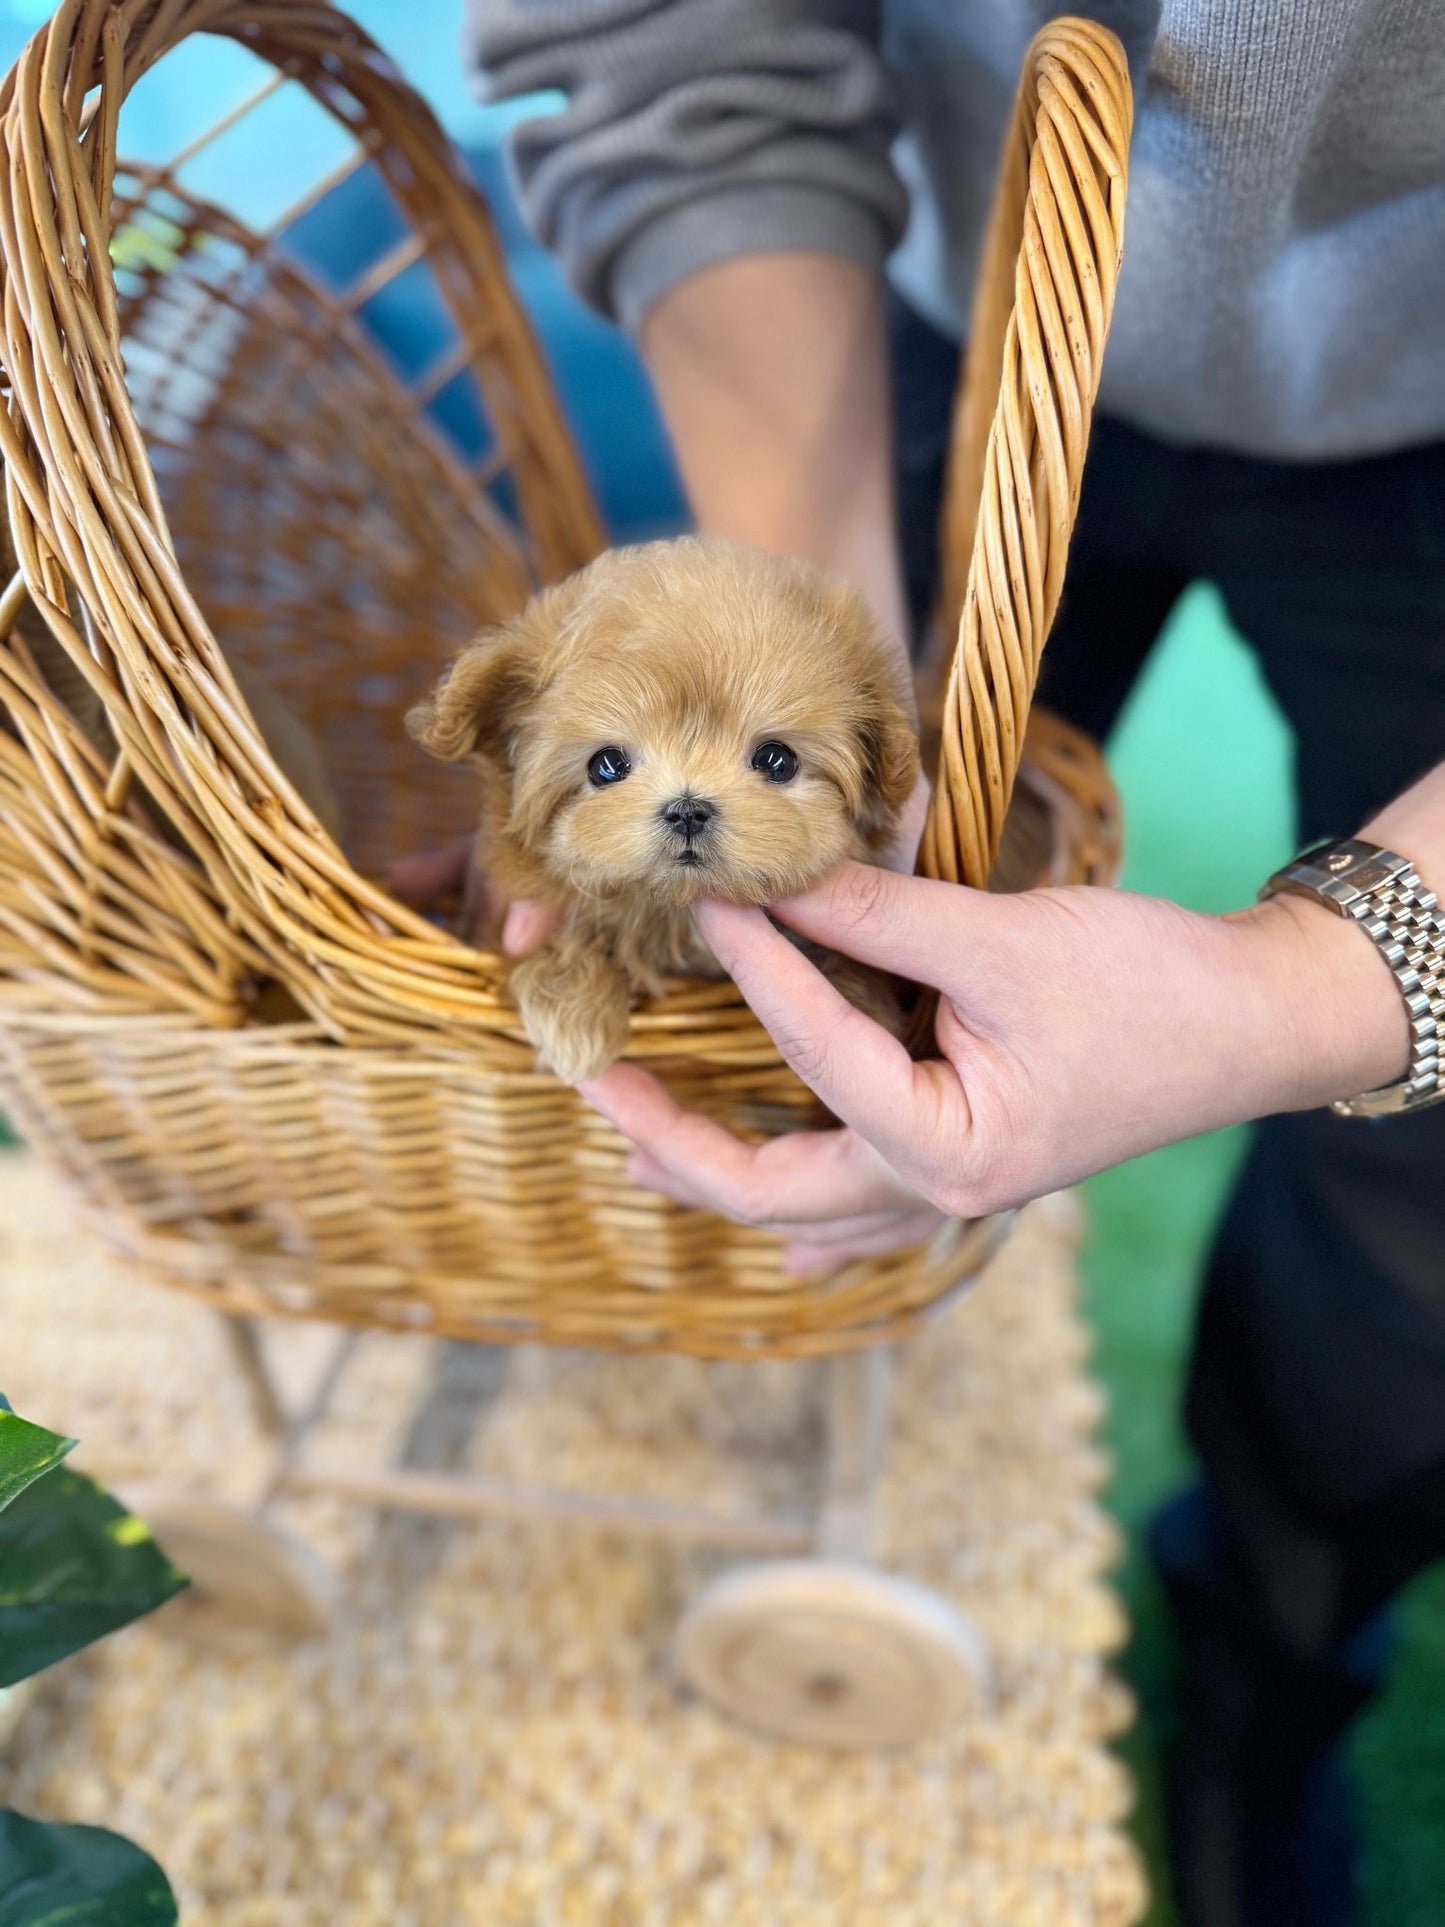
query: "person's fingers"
527, 926
848, 1231
803, 1177
649, 1175
891, 1234
862, 1074
422, 878
916, 927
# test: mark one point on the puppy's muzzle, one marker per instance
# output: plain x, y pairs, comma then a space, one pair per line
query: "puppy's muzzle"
689, 819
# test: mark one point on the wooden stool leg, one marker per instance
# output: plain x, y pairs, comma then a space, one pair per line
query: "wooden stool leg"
245, 1344
859, 1384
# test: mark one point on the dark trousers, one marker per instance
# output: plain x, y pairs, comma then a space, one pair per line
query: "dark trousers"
1316, 1394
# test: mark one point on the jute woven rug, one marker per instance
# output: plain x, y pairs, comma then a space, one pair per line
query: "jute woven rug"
492, 1733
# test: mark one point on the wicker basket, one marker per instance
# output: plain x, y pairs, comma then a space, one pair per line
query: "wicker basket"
255, 468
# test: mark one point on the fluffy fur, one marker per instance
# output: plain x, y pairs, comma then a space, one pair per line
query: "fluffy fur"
687, 657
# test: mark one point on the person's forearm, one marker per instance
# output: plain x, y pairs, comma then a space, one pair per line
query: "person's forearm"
1349, 1016
772, 374
1414, 824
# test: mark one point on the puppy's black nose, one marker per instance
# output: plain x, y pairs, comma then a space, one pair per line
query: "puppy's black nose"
687, 816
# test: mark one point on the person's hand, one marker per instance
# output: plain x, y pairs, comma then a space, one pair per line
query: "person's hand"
427, 878
433, 877
1078, 1027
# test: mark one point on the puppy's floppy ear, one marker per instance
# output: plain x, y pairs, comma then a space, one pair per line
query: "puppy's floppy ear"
473, 708
891, 766
887, 735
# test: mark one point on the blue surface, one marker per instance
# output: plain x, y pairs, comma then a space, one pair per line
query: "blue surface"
267, 162
604, 391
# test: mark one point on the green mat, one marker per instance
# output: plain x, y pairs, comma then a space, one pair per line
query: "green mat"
1202, 758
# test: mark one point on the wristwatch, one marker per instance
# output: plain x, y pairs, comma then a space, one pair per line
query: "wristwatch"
1382, 892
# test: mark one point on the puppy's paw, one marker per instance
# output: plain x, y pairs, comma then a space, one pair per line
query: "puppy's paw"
573, 1006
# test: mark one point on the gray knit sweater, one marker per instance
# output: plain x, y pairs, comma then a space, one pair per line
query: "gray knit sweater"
1283, 290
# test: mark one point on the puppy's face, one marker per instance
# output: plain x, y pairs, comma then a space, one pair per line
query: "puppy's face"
684, 720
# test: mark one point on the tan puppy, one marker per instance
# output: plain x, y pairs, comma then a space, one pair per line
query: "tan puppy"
677, 721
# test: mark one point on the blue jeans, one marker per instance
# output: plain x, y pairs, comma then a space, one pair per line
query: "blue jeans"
1316, 1394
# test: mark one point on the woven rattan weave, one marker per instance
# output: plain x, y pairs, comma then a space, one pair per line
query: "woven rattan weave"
204, 441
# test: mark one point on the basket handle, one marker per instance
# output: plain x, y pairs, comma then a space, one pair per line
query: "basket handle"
85, 505
1021, 427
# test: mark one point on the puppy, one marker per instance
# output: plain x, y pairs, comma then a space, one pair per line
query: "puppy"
680, 720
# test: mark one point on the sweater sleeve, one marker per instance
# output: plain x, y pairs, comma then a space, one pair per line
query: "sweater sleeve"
694, 130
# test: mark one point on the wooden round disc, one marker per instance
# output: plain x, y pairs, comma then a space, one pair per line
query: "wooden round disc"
252, 1586
829, 1654
15, 1699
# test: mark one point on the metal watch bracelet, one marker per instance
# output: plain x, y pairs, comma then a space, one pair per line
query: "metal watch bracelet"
1382, 892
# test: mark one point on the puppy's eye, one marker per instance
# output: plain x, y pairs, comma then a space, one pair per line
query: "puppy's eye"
608, 765
776, 762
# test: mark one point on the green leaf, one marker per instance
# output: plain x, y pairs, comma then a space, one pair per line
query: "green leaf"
26, 1452
74, 1565
53, 1876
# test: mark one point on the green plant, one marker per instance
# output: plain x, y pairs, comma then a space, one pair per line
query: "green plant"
74, 1565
